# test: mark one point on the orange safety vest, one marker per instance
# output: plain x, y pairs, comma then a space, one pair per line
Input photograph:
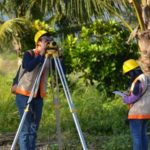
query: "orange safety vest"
26, 82
141, 108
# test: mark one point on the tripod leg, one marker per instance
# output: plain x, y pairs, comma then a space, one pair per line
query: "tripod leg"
57, 110
58, 127
34, 88
20, 127
69, 100
55, 94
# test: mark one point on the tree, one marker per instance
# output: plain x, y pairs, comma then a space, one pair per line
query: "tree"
142, 32
72, 14
138, 9
98, 53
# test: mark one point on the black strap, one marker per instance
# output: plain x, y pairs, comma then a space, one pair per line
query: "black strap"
31, 52
18, 75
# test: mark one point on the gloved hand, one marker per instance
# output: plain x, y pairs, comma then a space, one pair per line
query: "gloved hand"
130, 99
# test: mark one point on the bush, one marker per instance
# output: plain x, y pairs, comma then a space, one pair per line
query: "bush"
99, 51
118, 142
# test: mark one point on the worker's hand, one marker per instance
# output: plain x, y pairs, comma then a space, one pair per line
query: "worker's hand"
43, 46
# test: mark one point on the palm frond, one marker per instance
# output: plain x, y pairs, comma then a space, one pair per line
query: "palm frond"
13, 28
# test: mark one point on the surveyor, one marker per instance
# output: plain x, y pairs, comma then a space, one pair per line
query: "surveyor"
138, 100
31, 65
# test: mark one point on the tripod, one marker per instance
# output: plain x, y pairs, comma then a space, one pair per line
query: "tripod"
54, 55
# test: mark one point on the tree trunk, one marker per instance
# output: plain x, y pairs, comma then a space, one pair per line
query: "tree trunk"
144, 46
142, 9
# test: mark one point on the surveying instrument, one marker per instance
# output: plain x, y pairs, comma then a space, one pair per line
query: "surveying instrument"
52, 52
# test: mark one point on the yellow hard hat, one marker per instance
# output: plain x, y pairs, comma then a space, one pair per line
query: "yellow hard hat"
129, 65
39, 34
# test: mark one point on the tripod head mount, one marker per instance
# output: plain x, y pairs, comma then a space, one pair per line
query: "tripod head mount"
52, 53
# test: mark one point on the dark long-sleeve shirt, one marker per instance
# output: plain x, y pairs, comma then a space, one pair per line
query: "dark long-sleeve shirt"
31, 61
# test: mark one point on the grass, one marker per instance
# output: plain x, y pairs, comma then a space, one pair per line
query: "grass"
8, 115
8, 64
101, 118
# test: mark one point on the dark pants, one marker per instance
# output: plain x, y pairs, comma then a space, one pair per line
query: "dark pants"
138, 130
28, 133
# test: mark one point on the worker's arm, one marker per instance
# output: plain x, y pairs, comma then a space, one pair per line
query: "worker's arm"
30, 62
134, 95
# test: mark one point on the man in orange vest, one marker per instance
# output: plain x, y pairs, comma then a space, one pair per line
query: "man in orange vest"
31, 65
138, 100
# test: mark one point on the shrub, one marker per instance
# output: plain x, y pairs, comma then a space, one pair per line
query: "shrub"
118, 142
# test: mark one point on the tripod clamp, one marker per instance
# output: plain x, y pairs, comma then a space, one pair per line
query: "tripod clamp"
52, 53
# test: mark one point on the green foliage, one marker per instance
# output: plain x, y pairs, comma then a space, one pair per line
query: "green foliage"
75, 12
16, 34
8, 112
118, 142
98, 115
99, 52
